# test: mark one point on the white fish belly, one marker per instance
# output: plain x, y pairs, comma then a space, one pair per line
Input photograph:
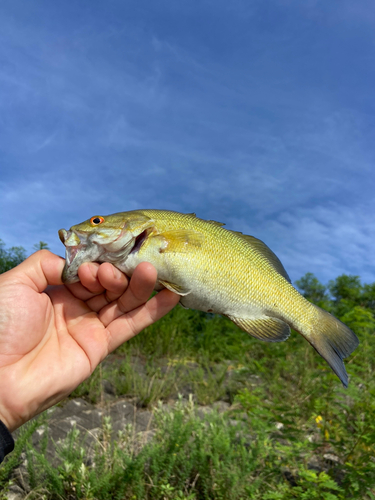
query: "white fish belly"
220, 302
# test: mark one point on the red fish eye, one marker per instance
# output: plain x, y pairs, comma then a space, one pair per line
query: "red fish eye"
96, 220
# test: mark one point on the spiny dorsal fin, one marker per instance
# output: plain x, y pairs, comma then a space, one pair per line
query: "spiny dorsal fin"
213, 222
268, 329
266, 252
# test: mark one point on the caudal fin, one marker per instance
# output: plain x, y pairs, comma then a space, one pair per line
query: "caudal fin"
334, 341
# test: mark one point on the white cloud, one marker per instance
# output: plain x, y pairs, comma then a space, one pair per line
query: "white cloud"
105, 115
325, 240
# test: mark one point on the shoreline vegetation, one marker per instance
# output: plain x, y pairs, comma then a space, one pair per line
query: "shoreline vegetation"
232, 417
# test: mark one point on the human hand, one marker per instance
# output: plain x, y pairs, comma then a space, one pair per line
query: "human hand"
51, 339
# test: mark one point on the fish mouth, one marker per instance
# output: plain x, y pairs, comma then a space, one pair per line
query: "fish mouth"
81, 248
73, 245
78, 249
76, 256
70, 254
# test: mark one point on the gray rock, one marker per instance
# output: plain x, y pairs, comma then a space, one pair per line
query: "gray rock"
331, 458
108, 388
143, 420
15, 493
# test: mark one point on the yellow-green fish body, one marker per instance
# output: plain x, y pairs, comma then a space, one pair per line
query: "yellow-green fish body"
213, 270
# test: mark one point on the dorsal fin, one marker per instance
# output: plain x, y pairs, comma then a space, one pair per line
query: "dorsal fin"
213, 222
266, 252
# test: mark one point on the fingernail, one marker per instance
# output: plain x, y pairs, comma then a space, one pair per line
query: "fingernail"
116, 273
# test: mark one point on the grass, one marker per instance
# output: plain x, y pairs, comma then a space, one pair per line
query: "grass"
291, 431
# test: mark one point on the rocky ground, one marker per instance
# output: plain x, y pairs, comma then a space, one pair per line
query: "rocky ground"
125, 412
88, 419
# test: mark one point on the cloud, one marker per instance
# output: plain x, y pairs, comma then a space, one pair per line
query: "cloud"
325, 240
257, 117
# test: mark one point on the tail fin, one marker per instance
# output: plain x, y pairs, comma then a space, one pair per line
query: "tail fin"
334, 341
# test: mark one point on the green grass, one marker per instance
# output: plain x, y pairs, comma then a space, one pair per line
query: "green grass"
289, 416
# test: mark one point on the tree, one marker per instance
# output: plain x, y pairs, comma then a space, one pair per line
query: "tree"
42, 245
346, 287
346, 291
368, 296
360, 320
10, 258
313, 290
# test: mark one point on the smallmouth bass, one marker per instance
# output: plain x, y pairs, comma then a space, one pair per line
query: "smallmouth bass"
214, 270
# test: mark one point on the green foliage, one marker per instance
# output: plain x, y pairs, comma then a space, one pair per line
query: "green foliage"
42, 245
12, 460
346, 288
186, 332
197, 458
292, 431
345, 297
313, 290
91, 388
11, 257
360, 320
368, 296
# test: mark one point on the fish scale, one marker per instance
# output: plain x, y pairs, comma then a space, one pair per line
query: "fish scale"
213, 270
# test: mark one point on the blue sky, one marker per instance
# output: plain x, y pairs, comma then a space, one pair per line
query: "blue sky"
257, 114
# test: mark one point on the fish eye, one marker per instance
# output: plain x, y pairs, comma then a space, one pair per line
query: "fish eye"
95, 221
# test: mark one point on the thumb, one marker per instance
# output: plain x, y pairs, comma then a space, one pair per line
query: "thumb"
41, 269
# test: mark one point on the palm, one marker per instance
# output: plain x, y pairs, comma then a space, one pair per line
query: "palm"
50, 342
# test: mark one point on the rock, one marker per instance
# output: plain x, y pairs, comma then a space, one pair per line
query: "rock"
88, 420
314, 464
331, 458
108, 388
143, 420
15, 493
221, 406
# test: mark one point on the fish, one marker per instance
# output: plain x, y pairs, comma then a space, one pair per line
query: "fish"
212, 269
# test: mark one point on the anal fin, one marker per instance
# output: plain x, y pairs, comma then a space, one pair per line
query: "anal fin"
267, 329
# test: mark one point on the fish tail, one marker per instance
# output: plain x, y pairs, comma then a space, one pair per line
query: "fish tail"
333, 340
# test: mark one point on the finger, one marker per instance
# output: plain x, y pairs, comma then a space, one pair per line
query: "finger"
88, 275
113, 280
139, 290
89, 285
95, 279
128, 325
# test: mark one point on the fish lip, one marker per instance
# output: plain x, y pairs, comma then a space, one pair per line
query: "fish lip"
63, 234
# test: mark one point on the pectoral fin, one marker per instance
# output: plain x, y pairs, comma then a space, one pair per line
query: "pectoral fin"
180, 240
175, 288
267, 329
